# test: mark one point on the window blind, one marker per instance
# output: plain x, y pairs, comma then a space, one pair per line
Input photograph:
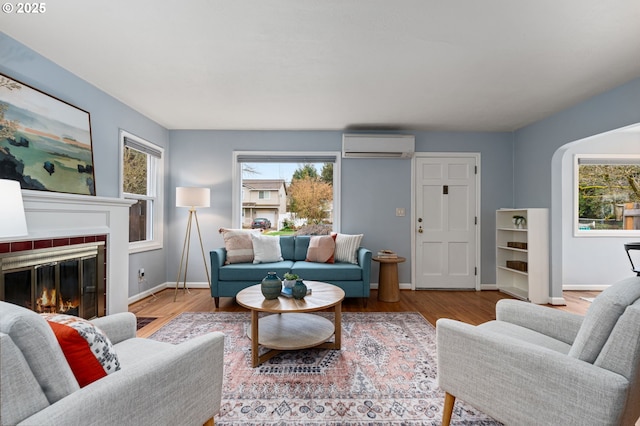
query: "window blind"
146, 148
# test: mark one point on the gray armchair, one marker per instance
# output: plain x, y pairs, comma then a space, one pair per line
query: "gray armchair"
536, 365
158, 383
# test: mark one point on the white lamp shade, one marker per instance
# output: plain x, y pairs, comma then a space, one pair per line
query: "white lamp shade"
13, 222
193, 197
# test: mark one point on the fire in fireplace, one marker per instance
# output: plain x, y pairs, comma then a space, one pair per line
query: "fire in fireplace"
56, 280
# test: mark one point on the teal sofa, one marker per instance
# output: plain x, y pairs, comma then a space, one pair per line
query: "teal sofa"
228, 280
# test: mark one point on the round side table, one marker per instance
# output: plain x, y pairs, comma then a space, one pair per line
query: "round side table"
388, 286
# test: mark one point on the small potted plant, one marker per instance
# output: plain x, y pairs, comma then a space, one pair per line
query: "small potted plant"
290, 280
519, 221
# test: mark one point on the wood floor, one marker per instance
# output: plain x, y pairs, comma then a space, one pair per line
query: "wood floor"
473, 307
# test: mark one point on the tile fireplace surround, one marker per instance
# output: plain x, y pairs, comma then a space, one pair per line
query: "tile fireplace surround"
62, 219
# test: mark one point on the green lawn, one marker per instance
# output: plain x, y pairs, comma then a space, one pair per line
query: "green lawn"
281, 232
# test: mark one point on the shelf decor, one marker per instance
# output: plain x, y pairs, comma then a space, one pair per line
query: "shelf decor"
45, 143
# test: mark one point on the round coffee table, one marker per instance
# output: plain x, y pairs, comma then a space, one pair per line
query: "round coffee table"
294, 327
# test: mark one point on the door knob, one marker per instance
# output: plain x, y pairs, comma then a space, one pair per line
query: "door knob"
420, 229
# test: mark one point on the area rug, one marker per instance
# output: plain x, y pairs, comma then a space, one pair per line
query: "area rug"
143, 321
385, 374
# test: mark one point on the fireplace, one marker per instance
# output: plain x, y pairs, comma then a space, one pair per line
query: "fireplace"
69, 279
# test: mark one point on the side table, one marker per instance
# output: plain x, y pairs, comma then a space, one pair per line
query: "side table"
388, 286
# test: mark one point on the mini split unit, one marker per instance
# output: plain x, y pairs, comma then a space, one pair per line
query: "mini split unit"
358, 145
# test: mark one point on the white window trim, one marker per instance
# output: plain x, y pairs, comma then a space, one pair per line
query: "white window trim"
577, 232
236, 193
158, 209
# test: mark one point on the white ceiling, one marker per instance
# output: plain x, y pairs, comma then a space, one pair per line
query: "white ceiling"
465, 65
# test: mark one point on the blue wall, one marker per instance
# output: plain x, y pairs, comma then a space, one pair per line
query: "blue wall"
371, 189
538, 180
108, 116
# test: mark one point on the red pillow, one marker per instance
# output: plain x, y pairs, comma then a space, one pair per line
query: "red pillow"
87, 349
321, 249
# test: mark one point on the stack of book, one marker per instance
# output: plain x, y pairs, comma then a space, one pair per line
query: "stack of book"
387, 254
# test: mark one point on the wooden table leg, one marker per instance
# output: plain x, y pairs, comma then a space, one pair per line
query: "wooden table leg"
338, 322
255, 358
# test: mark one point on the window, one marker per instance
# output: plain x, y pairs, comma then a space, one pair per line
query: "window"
287, 188
607, 195
142, 181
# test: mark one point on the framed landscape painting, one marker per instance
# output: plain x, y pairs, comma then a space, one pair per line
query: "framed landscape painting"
45, 143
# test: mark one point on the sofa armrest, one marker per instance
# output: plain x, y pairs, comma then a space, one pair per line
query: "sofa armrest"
560, 325
118, 327
511, 380
218, 257
182, 385
364, 260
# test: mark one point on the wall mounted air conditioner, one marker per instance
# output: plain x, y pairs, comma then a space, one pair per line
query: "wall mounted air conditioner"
358, 145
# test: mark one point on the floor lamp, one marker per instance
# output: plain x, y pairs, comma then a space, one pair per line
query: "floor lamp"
192, 198
13, 222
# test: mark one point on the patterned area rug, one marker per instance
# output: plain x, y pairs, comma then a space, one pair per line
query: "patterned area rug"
143, 321
385, 374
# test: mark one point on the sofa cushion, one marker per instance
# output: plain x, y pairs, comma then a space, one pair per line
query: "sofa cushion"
347, 247
253, 272
321, 249
602, 316
87, 349
327, 271
287, 246
266, 248
302, 245
20, 393
238, 244
33, 336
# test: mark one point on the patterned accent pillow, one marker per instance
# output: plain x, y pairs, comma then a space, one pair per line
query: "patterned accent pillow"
238, 244
347, 248
321, 249
87, 349
266, 248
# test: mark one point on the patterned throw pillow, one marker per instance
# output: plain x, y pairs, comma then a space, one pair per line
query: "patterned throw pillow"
321, 249
347, 247
238, 244
266, 248
87, 349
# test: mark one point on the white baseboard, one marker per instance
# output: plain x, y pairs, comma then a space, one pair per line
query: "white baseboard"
147, 293
402, 286
557, 301
163, 286
488, 287
582, 287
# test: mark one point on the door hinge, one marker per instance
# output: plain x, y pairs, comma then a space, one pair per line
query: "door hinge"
445, 189
476, 169
475, 271
476, 220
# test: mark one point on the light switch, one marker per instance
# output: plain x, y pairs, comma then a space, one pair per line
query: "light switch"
399, 211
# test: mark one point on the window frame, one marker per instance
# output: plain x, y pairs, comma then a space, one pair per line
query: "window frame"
155, 167
577, 232
281, 157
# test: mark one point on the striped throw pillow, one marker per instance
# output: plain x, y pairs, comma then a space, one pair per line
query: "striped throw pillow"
347, 248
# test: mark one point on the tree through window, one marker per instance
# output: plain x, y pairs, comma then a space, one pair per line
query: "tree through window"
608, 193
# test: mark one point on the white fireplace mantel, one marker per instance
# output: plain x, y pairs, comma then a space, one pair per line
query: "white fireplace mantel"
56, 215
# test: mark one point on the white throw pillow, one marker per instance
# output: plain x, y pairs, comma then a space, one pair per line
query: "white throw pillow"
347, 248
266, 248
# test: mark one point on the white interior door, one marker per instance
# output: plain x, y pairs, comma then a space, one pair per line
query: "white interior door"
446, 227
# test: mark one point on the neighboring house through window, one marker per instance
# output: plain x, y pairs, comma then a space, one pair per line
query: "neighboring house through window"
262, 184
142, 181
